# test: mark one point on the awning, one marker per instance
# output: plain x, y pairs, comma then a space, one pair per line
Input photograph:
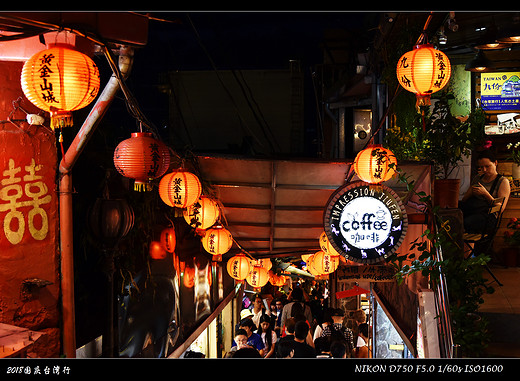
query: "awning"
273, 208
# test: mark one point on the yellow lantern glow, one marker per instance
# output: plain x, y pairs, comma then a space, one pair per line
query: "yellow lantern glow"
202, 214
324, 263
423, 71
326, 246
258, 277
276, 280
264, 262
238, 267
60, 80
373, 164
217, 241
180, 189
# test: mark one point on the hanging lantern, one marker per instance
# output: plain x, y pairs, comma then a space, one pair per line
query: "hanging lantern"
423, 71
257, 277
180, 189
217, 241
264, 262
142, 158
60, 80
110, 220
168, 239
305, 257
202, 214
324, 263
276, 280
372, 164
238, 267
156, 250
326, 246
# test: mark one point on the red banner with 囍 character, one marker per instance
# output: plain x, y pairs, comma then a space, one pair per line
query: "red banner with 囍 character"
28, 198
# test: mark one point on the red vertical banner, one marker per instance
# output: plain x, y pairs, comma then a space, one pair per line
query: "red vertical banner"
28, 214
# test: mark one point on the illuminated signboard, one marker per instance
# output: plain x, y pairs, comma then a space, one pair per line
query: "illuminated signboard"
365, 222
500, 91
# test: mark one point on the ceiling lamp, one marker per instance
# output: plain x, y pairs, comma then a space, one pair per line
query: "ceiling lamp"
423, 71
142, 158
258, 277
238, 267
509, 35
202, 214
372, 164
480, 63
217, 241
60, 80
180, 189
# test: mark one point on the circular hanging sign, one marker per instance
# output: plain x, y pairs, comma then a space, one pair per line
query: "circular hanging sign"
365, 222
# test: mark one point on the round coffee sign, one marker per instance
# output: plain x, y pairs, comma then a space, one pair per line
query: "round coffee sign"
365, 222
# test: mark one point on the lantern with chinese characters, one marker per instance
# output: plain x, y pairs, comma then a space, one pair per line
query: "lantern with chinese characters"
217, 241
202, 214
60, 80
156, 250
326, 246
264, 262
180, 189
423, 71
238, 267
373, 164
258, 277
324, 263
168, 239
142, 158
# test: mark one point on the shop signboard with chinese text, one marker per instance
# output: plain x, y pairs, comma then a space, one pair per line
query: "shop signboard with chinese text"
500, 91
365, 223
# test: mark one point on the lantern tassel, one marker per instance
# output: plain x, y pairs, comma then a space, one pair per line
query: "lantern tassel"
60, 119
142, 187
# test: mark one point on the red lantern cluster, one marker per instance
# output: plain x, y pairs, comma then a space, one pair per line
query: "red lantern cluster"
142, 158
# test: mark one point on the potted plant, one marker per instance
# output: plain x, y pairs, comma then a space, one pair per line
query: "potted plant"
447, 141
512, 240
515, 157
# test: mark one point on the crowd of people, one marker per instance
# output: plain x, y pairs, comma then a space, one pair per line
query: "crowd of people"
294, 327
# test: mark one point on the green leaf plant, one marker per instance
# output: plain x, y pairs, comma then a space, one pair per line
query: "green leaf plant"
437, 253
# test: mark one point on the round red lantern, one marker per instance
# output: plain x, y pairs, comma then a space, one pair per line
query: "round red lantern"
168, 239
156, 250
238, 267
258, 277
423, 71
373, 164
202, 214
60, 80
180, 189
217, 241
110, 220
142, 158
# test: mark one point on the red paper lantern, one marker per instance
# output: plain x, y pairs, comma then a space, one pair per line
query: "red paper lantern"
60, 80
258, 277
238, 267
156, 250
180, 189
276, 280
423, 71
142, 158
217, 241
202, 214
168, 239
373, 164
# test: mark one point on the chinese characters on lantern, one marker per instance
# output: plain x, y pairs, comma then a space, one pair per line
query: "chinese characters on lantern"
156, 158
22, 195
177, 189
45, 71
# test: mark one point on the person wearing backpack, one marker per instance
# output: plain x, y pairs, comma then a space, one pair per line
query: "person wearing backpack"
337, 332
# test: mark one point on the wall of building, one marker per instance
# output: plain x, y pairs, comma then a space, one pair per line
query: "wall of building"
29, 260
